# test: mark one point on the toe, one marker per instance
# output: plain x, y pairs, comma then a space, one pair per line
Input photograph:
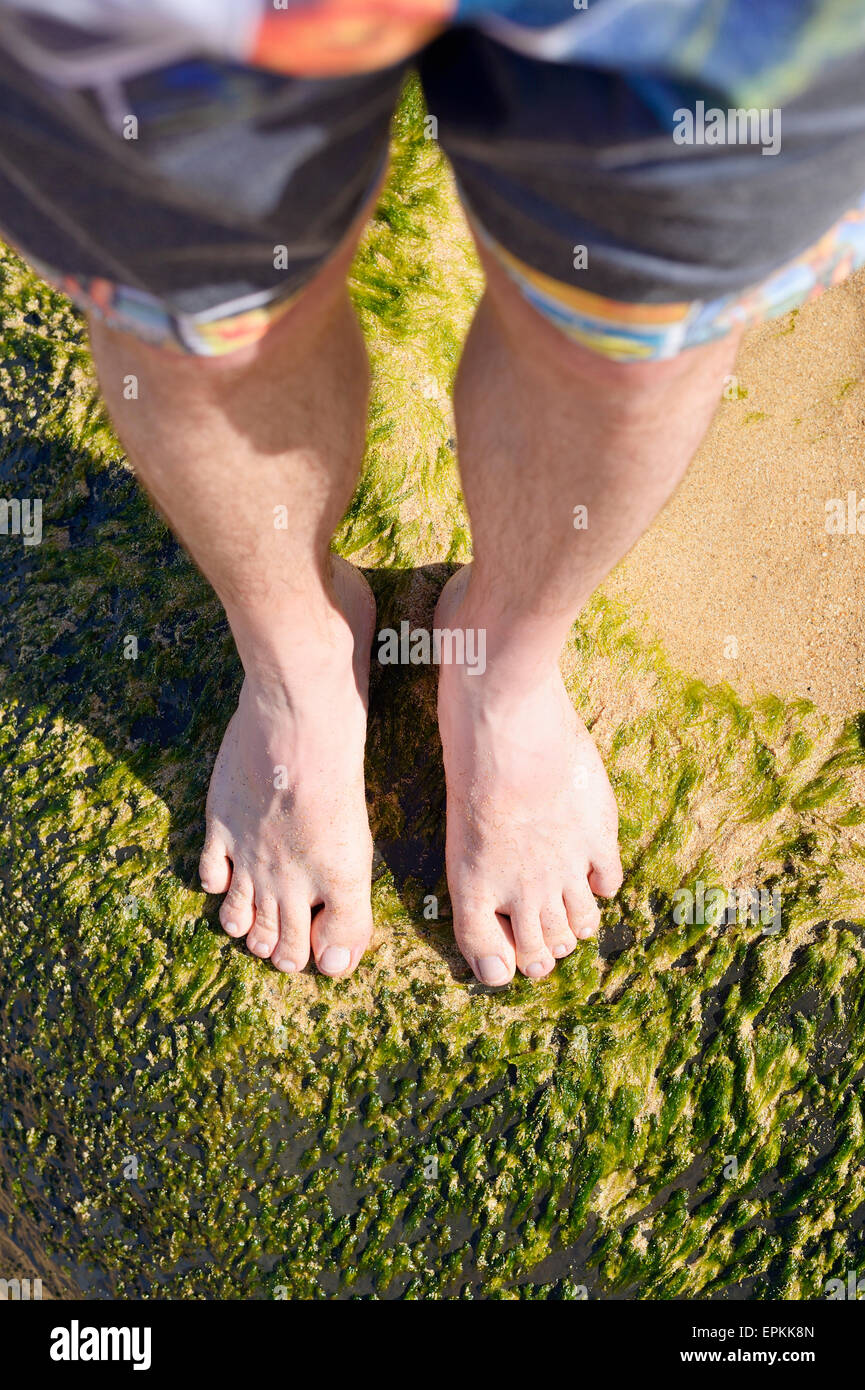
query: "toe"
534, 958
605, 877
291, 952
559, 938
584, 914
214, 869
485, 940
265, 931
340, 934
238, 910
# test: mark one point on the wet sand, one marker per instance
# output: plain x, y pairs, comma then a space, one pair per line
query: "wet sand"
738, 576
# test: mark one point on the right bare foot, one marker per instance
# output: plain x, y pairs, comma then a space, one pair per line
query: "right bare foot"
287, 828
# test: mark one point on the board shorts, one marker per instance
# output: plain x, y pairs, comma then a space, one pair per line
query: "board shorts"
649, 174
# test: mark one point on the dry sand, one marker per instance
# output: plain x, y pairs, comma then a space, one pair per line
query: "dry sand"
742, 551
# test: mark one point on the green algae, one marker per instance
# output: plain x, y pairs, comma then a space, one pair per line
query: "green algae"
676, 1112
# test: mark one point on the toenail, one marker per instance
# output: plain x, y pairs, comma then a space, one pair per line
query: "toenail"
258, 948
232, 928
288, 966
334, 960
491, 970
535, 970
561, 950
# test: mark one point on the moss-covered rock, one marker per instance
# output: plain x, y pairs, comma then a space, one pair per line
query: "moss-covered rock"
677, 1111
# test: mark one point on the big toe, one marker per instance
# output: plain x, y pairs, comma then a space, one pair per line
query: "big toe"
485, 941
340, 934
214, 869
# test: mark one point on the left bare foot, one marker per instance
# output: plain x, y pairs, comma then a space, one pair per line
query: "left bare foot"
532, 822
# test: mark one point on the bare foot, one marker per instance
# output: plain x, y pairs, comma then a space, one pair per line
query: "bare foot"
287, 828
531, 819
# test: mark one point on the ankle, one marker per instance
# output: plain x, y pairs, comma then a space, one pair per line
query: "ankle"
517, 658
287, 649
510, 679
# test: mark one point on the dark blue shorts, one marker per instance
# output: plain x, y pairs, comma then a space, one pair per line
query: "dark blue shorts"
645, 188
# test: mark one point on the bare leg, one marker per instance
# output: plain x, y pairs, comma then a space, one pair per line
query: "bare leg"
544, 427
221, 446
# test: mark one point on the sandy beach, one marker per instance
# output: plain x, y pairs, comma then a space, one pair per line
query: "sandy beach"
738, 576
